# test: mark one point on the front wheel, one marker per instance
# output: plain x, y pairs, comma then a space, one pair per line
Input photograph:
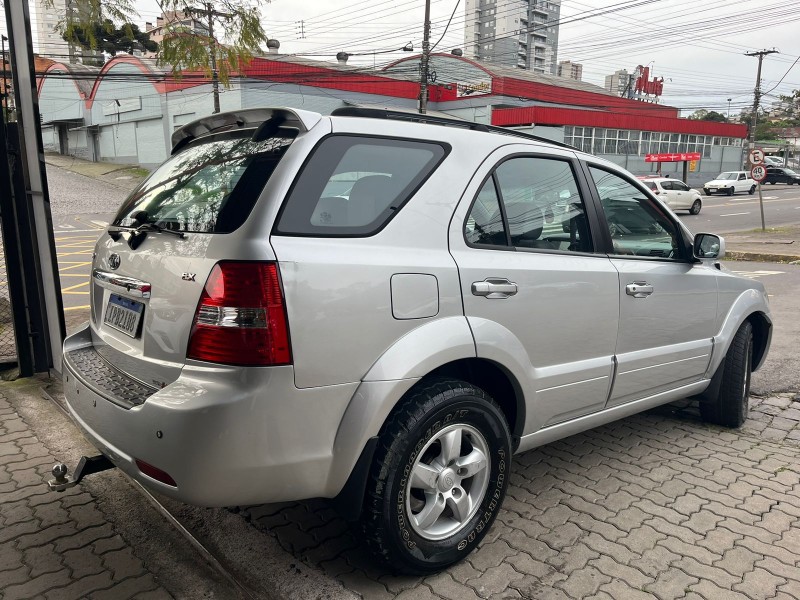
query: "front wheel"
730, 405
706, 192
731, 191
752, 190
438, 478
696, 206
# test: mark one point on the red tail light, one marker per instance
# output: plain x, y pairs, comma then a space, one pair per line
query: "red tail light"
241, 317
155, 473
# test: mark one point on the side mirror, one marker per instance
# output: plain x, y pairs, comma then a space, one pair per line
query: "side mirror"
708, 246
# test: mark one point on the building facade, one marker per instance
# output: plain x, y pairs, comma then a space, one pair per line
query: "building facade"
513, 33
49, 40
127, 111
570, 69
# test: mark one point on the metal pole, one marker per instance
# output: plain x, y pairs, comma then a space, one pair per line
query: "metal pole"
754, 121
426, 50
4, 104
46, 287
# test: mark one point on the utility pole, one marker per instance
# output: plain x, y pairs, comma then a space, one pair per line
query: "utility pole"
209, 12
754, 118
423, 67
754, 121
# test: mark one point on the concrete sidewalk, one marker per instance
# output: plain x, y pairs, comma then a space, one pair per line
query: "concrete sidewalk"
123, 176
777, 244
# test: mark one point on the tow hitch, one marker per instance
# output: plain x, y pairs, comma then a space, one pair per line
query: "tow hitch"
88, 465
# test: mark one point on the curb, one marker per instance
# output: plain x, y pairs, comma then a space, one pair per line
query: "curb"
761, 257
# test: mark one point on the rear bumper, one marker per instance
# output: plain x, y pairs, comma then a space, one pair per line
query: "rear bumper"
226, 435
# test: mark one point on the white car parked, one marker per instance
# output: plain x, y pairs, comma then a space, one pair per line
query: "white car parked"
676, 194
729, 183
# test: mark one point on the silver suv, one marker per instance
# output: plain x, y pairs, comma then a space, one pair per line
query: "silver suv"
382, 308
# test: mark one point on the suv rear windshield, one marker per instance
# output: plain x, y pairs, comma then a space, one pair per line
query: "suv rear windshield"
353, 185
210, 187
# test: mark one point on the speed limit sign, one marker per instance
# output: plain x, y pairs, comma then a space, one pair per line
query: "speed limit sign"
756, 156
758, 172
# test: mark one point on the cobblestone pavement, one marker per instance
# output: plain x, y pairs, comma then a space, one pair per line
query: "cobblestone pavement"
57, 546
659, 505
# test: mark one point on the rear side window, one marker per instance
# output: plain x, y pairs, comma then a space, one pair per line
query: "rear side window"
209, 187
353, 185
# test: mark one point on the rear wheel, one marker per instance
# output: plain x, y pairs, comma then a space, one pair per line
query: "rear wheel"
438, 479
696, 206
729, 407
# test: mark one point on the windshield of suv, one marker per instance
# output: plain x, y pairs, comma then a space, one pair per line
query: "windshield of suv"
731, 175
209, 187
789, 172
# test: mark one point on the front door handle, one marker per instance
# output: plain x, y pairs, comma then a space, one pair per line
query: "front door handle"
639, 289
493, 287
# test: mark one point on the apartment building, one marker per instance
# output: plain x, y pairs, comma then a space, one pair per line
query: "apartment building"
514, 33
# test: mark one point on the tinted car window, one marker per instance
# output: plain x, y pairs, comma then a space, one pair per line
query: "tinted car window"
353, 185
637, 225
543, 207
209, 187
485, 225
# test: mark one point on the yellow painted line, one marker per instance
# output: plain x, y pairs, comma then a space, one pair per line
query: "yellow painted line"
73, 274
76, 307
77, 245
88, 238
60, 254
76, 293
89, 224
74, 266
72, 287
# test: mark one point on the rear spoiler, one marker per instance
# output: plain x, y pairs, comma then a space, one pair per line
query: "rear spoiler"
268, 120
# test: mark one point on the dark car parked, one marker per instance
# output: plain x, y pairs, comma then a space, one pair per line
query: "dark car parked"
782, 175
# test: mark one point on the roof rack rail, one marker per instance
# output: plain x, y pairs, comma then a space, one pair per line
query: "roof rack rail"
403, 115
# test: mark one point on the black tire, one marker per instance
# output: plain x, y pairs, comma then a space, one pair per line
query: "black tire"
730, 406
706, 192
696, 206
731, 191
425, 413
752, 190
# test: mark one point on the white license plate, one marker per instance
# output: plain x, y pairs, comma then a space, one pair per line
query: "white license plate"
712, 189
124, 314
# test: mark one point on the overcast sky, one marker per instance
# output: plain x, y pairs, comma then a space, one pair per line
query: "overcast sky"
698, 47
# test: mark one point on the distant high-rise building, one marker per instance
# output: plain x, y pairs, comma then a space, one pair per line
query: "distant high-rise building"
619, 82
51, 44
571, 70
514, 33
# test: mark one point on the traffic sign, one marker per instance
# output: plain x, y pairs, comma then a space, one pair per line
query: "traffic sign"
758, 173
756, 156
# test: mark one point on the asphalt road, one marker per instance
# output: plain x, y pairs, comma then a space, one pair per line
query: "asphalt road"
781, 371
741, 212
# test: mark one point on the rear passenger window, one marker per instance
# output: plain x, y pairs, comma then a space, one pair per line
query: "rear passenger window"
541, 204
353, 185
485, 221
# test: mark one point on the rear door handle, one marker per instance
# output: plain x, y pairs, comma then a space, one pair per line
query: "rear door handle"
493, 287
639, 289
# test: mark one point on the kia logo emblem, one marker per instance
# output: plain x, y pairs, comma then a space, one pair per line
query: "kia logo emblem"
113, 261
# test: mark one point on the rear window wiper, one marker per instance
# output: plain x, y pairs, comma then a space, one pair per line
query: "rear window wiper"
139, 232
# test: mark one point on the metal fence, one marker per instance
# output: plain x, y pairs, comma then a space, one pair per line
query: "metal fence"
8, 347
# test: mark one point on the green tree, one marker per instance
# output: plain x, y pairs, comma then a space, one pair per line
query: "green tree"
111, 39
715, 116
233, 32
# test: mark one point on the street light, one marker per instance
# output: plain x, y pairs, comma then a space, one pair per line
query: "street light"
729, 108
